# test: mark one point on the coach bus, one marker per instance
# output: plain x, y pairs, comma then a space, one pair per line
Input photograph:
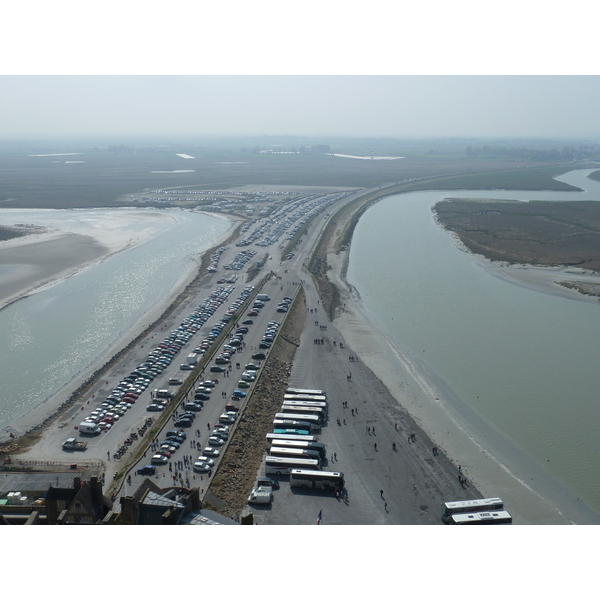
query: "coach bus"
277, 465
311, 403
305, 445
306, 392
305, 397
292, 424
303, 410
317, 480
500, 517
470, 506
286, 452
294, 432
312, 420
283, 436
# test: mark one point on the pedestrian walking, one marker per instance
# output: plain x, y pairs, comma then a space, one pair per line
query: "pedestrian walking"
385, 507
375, 446
335, 455
381, 493
352, 411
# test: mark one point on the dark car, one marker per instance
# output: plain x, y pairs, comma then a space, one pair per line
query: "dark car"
264, 345
267, 482
217, 369
248, 322
147, 470
175, 438
201, 396
176, 432
183, 423
259, 356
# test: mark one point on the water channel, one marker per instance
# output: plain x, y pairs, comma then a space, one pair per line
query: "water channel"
51, 336
522, 359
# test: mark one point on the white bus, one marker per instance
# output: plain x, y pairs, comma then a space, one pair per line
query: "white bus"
303, 410
277, 465
501, 517
305, 397
305, 445
312, 420
470, 506
290, 436
317, 480
311, 403
295, 453
306, 392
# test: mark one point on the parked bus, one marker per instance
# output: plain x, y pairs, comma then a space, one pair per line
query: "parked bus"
305, 445
482, 518
306, 392
277, 465
317, 480
303, 410
283, 436
312, 420
311, 403
295, 452
470, 506
287, 421
292, 424
294, 432
305, 397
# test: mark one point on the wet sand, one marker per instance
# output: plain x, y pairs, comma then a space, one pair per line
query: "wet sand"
35, 261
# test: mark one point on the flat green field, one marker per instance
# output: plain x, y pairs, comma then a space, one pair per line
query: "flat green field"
95, 177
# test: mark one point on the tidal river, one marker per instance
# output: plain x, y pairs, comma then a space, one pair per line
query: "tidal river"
50, 337
524, 360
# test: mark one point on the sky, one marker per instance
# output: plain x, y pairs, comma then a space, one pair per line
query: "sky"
311, 68
388, 106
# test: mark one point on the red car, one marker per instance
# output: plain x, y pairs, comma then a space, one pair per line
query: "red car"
253, 313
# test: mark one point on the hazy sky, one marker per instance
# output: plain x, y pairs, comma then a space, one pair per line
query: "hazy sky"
395, 106
311, 67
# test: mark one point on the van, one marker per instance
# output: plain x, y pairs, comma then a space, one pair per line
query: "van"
263, 297
89, 428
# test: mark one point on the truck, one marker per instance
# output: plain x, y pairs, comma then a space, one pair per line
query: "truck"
73, 444
191, 359
261, 495
89, 428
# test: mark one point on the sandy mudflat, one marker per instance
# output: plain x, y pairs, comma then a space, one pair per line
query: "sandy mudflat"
494, 464
30, 263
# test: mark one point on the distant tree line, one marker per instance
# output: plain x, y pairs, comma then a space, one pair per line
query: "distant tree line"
587, 151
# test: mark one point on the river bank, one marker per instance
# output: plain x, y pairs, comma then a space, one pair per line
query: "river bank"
495, 465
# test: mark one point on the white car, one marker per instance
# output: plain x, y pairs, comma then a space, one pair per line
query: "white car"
201, 467
209, 451
215, 440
